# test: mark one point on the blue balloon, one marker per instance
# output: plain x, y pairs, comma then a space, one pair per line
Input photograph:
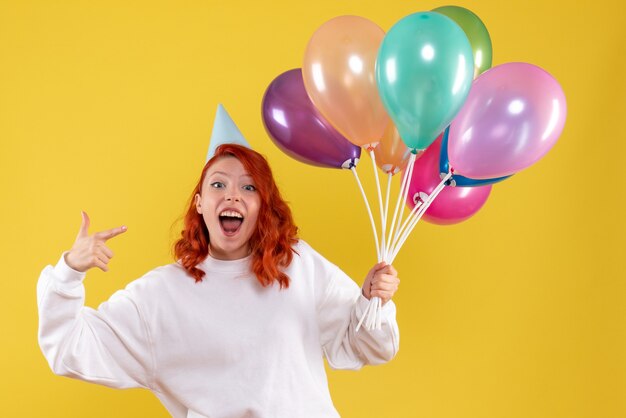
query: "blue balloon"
456, 180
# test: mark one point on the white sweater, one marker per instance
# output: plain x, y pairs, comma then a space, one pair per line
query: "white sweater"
223, 348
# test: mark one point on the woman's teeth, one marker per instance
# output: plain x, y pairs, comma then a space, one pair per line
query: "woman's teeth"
231, 214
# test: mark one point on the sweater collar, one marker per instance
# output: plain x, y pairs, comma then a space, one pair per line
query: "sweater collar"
234, 266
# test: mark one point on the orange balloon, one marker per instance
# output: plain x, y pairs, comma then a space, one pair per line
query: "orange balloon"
392, 154
339, 77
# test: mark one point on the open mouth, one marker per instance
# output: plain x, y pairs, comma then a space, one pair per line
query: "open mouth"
231, 221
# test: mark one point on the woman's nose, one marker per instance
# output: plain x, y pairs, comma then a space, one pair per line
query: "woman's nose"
232, 197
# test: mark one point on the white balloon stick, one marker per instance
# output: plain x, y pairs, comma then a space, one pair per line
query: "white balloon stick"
369, 211
404, 194
402, 187
380, 207
406, 223
389, 175
423, 209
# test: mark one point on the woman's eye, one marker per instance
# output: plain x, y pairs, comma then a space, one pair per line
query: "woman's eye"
217, 184
249, 188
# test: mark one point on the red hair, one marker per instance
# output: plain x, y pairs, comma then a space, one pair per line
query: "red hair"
275, 233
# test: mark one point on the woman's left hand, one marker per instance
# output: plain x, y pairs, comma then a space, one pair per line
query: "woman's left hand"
381, 281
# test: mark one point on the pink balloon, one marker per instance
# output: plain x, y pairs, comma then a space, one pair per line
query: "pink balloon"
453, 204
513, 115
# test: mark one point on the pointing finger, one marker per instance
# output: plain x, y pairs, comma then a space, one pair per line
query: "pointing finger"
106, 235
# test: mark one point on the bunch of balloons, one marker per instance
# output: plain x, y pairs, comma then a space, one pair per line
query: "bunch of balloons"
422, 99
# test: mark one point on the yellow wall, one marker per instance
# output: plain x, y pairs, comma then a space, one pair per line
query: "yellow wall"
518, 312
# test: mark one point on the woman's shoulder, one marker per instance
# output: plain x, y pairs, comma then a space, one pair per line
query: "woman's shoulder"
307, 254
164, 276
303, 246
303, 250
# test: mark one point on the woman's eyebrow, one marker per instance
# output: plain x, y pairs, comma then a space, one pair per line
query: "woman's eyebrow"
218, 172
227, 175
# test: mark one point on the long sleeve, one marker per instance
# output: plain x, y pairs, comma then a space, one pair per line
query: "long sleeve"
110, 346
339, 313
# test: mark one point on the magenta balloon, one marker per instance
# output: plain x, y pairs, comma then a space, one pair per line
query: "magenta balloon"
299, 129
513, 115
453, 204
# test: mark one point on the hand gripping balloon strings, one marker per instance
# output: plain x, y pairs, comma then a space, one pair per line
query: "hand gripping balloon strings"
380, 247
372, 312
369, 211
423, 208
383, 249
372, 316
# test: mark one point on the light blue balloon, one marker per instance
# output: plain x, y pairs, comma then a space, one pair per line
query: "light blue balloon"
424, 72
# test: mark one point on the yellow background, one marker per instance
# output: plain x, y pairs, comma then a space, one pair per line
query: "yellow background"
518, 312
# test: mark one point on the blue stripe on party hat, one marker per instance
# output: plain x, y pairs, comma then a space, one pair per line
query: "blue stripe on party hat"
224, 132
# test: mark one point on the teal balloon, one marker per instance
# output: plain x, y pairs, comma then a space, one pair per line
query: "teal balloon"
424, 72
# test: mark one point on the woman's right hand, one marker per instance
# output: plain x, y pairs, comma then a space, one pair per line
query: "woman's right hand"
90, 250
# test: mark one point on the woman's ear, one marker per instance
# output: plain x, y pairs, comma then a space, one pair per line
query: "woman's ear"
197, 203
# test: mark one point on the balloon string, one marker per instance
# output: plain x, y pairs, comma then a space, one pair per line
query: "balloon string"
419, 215
404, 195
372, 319
389, 175
379, 316
423, 208
373, 311
412, 224
380, 206
405, 224
369, 305
369, 211
377, 306
404, 181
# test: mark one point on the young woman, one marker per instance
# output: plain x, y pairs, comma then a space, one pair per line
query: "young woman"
238, 326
